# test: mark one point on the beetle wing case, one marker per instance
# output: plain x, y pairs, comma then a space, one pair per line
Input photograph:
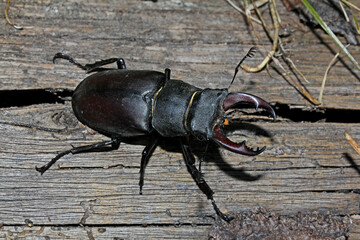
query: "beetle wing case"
117, 102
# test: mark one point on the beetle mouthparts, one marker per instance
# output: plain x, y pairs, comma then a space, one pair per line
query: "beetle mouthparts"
230, 101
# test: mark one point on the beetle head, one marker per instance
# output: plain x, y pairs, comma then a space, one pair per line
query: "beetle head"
231, 101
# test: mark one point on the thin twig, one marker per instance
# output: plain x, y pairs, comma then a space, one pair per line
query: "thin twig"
296, 69
344, 12
241, 11
352, 142
274, 36
297, 85
258, 4
325, 76
351, 5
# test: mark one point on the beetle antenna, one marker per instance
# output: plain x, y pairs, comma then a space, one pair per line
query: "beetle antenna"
249, 54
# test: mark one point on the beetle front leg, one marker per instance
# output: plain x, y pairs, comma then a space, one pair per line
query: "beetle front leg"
197, 176
146, 154
102, 146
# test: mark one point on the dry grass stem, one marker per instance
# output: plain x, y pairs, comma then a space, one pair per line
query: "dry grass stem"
274, 37
351, 5
325, 76
241, 11
352, 142
297, 85
344, 12
8, 19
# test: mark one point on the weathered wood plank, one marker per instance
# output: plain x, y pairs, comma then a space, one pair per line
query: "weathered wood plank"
306, 167
289, 145
201, 42
98, 233
145, 232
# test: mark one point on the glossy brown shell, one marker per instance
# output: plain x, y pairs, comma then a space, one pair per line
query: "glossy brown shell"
117, 103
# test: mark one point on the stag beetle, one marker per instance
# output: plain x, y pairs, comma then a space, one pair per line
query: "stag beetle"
123, 104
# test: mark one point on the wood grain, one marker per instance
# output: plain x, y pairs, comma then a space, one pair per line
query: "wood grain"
308, 165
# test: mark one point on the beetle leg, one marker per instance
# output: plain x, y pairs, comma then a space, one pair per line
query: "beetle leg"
94, 67
167, 74
202, 159
146, 154
204, 187
102, 146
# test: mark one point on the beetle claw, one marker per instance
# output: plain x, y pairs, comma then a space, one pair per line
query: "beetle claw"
241, 148
235, 98
230, 101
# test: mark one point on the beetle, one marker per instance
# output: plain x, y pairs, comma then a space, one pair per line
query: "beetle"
123, 104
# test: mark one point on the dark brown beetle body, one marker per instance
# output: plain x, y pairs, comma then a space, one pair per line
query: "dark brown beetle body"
126, 103
122, 104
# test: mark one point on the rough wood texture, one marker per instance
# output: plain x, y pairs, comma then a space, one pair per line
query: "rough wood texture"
308, 165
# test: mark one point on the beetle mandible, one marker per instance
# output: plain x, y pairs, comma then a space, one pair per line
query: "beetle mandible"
123, 104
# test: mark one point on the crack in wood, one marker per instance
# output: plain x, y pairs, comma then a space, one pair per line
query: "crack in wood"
20, 98
88, 206
318, 114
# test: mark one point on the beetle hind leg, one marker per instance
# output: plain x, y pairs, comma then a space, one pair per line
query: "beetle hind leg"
93, 67
110, 145
197, 176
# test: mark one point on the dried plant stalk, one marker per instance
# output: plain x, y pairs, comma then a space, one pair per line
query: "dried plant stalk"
352, 142
17, 27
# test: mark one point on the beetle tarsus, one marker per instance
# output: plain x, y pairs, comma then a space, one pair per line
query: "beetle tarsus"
45, 167
96, 67
219, 213
101, 146
70, 59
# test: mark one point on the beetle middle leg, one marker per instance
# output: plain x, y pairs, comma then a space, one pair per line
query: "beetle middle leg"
110, 145
93, 67
202, 159
146, 154
197, 176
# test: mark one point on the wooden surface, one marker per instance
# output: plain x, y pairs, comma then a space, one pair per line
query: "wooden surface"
308, 165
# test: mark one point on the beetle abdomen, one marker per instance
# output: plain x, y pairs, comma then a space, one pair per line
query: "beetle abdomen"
117, 102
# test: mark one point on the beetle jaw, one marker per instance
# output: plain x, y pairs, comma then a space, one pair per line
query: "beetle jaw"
231, 100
